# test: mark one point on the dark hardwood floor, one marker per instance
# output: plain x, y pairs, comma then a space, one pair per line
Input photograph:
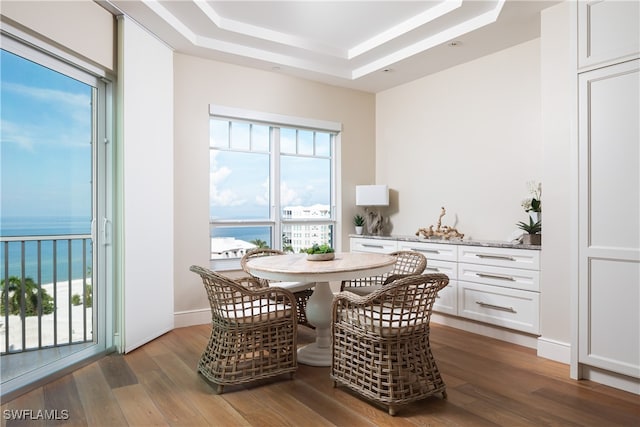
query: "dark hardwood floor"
489, 383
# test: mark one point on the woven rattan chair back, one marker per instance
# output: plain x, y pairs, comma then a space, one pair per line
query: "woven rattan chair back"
253, 331
302, 295
381, 346
407, 262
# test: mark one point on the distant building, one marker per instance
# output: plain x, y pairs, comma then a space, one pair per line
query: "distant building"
294, 236
229, 247
300, 236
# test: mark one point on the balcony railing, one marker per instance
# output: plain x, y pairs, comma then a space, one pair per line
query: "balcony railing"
46, 292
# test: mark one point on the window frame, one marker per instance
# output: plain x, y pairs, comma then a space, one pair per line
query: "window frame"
276, 219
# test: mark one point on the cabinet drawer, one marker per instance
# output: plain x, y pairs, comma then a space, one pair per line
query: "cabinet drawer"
447, 299
439, 251
444, 267
501, 257
373, 245
516, 278
509, 308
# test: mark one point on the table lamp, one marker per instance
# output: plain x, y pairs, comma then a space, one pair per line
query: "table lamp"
370, 196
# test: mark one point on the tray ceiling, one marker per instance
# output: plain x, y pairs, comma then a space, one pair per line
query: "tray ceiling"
365, 45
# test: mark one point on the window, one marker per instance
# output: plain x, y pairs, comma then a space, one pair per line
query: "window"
271, 185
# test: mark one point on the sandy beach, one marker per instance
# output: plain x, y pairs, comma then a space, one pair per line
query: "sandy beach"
78, 318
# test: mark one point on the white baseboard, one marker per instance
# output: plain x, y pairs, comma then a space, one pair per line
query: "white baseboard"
611, 379
502, 334
555, 350
182, 319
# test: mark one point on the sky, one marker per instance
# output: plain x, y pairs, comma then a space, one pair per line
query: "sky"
45, 141
45, 154
239, 181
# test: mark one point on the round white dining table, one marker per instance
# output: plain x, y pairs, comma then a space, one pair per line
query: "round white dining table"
296, 267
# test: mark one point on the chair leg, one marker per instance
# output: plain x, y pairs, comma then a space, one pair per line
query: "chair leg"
392, 410
219, 389
444, 394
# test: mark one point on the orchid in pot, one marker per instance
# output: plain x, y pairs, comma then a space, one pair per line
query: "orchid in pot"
533, 204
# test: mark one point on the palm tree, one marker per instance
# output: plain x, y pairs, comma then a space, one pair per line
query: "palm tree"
12, 294
259, 243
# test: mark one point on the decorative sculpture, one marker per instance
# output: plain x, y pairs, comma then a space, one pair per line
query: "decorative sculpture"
375, 222
444, 232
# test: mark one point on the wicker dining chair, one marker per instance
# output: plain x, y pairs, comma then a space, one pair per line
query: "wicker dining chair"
381, 345
253, 331
301, 290
407, 262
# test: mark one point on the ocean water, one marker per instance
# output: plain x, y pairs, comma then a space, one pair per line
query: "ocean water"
244, 233
55, 260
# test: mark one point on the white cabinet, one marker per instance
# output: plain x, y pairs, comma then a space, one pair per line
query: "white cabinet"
440, 259
381, 246
608, 31
609, 212
489, 284
500, 286
606, 336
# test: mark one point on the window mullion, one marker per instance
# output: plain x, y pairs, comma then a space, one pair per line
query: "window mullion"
276, 209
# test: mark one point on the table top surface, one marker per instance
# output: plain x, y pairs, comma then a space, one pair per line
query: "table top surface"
345, 265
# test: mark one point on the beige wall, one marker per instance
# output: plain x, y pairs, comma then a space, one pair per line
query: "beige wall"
79, 26
200, 82
468, 139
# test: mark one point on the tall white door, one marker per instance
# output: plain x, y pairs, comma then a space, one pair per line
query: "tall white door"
609, 218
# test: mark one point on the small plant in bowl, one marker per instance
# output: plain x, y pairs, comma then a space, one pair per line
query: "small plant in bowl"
532, 229
317, 252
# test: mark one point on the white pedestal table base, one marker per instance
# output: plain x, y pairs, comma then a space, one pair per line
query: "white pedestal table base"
318, 312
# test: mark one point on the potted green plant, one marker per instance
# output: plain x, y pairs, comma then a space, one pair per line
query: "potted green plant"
358, 222
533, 229
317, 252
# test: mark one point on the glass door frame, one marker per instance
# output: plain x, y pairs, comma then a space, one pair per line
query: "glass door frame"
104, 330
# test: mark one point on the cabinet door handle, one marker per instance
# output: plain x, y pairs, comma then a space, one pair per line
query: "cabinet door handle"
373, 246
495, 276
426, 251
502, 257
432, 268
496, 307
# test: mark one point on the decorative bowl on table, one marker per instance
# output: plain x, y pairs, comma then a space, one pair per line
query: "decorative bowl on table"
321, 257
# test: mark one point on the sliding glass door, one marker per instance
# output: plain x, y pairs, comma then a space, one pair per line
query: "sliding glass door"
54, 210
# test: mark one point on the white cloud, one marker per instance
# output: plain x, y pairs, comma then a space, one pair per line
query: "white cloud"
288, 196
14, 133
47, 116
217, 177
263, 199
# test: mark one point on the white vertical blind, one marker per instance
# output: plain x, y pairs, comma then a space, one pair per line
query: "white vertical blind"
145, 79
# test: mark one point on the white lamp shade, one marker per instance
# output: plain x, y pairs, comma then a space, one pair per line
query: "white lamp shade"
372, 195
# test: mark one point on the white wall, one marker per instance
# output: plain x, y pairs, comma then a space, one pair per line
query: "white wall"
467, 138
557, 99
200, 82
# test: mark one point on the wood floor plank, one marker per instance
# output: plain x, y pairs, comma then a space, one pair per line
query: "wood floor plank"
32, 401
489, 383
100, 406
137, 406
169, 400
62, 395
117, 371
199, 392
